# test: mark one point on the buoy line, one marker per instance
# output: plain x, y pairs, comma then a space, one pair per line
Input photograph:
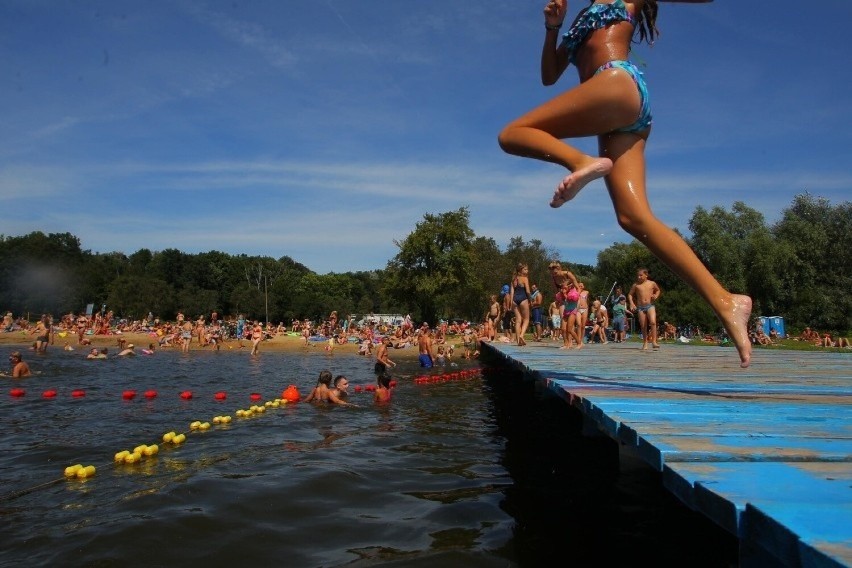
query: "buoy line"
81, 473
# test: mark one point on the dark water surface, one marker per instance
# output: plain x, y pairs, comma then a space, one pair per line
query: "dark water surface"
478, 472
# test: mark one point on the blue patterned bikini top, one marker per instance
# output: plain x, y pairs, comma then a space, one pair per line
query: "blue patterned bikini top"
594, 18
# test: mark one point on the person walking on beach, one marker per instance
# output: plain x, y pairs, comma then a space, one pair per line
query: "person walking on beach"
42, 333
611, 102
256, 337
185, 335
641, 298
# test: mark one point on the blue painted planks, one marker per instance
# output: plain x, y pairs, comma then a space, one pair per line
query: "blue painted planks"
765, 452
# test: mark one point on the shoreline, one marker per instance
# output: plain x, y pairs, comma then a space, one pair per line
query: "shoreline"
23, 341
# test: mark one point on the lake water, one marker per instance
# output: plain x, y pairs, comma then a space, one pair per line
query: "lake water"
478, 472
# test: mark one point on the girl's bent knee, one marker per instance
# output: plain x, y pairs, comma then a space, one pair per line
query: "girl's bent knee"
637, 224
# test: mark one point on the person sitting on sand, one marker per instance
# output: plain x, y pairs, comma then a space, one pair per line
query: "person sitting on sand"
761, 338
809, 335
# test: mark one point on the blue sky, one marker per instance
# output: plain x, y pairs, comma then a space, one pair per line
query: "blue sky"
324, 130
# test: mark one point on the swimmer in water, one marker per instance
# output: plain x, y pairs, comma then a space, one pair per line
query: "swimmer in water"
320, 392
383, 392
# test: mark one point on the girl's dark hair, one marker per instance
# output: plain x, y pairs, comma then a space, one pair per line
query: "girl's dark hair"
646, 22
324, 378
384, 380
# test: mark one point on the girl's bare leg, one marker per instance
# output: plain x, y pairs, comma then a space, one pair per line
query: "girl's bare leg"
522, 321
572, 329
626, 184
605, 102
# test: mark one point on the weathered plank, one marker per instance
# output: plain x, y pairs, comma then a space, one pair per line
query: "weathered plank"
765, 452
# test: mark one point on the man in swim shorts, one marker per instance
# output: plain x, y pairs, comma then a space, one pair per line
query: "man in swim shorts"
641, 298
424, 344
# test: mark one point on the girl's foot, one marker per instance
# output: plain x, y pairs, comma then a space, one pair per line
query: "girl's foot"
736, 324
574, 182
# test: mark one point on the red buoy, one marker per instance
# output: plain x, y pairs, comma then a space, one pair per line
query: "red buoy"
49, 394
392, 383
150, 394
220, 396
17, 392
128, 395
78, 393
357, 388
255, 396
186, 395
291, 394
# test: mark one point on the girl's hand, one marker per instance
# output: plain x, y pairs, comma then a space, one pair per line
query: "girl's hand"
554, 12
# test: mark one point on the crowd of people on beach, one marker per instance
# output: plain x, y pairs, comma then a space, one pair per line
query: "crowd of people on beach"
574, 317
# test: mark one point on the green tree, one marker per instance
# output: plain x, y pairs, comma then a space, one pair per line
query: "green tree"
432, 263
738, 248
40, 273
815, 269
133, 296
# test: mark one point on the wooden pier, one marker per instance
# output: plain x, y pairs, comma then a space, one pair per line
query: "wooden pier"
765, 452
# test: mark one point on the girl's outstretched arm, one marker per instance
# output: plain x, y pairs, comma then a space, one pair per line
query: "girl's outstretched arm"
554, 59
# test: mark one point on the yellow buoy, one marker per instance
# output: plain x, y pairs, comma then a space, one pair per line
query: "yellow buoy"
71, 470
204, 426
179, 439
195, 425
151, 450
168, 437
132, 457
119, 457
85, 472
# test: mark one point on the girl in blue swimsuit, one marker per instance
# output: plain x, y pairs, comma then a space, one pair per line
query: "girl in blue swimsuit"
521, 300
611, 102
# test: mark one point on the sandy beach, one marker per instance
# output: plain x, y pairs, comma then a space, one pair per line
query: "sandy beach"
281, 343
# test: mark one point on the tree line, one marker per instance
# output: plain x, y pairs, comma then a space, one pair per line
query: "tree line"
797, 268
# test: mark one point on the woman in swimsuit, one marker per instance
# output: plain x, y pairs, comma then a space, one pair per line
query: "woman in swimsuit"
567, 297
611, 102
521, 301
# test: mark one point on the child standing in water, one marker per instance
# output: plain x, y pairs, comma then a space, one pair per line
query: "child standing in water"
612, 103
